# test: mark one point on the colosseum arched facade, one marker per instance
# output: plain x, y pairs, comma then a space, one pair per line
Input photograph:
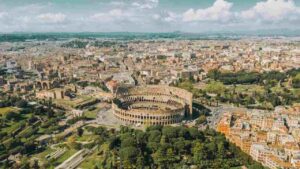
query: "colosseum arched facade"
152, 105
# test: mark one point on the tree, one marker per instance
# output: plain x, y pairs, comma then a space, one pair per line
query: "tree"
140, 162
79, 131
141, 138
296, 81
183, 132
154, 136
129, 156
71, 142
24, 163
215, 87
214, 74
180, 146
12, 116
169, 132
200, 152
21, 103
159, 157
187, 85
35, 164
128, 142
195, 134
201, 120
256, 166
114, 142
221, 150
170, 155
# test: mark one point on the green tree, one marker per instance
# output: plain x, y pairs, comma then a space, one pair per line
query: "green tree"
12, 116
170, 156
80, 131
200, 152
35, 164
169, 132
129, 156
159, 157
215, 87
187, 85
296, 81
128, 142
201, 120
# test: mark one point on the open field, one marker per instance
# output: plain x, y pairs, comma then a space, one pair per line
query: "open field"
247, 88
74, 102
5, 110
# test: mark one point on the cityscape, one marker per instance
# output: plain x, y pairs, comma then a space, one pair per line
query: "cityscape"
149, 84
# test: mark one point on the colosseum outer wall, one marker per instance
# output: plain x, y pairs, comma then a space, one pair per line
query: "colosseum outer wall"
154, 93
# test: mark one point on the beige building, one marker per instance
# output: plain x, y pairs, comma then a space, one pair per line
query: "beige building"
259, 152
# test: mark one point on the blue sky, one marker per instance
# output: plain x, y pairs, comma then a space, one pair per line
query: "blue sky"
148, 15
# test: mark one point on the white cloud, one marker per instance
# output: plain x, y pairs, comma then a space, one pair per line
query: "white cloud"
117, 3
31, 8
146, 4
52, 18
148, 15
114, 14
156, 16
3, 14
219, 11
272, 10
171, 17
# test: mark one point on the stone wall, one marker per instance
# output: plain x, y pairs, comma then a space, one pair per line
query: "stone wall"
159, 105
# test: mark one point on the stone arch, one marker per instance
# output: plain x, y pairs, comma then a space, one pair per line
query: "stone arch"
45, 85
38, 85
55, 84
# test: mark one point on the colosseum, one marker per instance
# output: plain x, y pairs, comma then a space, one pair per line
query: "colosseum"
152, 105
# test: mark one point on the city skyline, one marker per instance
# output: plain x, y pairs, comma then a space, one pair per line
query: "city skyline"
149, 16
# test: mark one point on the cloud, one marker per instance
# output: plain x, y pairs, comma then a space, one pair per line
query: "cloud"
272, 10
146, 4
219, 11
112, 15
31, 8
171, 17
156, 16
148, 15
117, 3
54, 18
3, 14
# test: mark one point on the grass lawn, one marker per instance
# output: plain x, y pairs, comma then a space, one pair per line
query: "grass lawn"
65, 103
41, 156
12, 126
87, 137
91, 161
91, 114
277, 89
248, 88
65, 156
5, 110
72, 103
296, 91
95, 159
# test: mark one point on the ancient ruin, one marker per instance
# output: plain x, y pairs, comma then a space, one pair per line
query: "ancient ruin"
152, 105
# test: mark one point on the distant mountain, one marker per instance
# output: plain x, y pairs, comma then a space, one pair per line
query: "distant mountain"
51, 36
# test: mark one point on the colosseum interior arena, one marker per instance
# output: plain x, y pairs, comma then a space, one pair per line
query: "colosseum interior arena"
152, 105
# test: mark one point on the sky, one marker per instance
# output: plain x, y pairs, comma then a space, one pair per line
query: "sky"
148, 15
